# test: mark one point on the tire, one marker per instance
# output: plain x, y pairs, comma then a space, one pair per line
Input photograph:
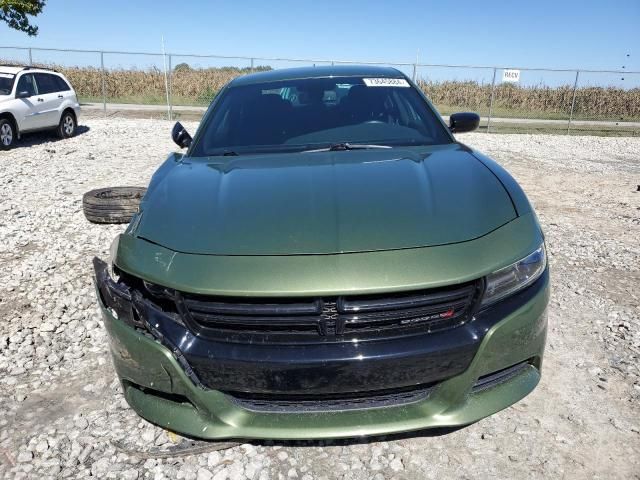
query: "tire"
8, 134
112, 205
67, 126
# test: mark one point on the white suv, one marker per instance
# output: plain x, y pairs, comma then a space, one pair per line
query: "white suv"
35, 99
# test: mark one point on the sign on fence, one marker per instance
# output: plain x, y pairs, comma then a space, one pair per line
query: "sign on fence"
510, 75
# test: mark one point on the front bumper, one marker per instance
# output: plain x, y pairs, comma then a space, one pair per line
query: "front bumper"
160, 385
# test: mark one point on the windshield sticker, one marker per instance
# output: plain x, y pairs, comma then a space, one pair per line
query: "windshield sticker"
385, 82
7, 75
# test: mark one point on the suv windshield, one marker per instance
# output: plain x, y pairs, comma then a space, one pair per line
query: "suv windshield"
307, 114
6, 83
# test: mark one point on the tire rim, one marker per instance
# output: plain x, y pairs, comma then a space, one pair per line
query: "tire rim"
6, 134
67, 124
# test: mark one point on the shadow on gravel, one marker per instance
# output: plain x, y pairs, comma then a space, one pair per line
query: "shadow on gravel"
39, 138
191, 446
344, 442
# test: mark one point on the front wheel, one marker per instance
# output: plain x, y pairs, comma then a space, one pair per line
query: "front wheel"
7, 134
67, 125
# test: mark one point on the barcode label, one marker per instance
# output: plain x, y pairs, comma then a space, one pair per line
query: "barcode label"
385, 82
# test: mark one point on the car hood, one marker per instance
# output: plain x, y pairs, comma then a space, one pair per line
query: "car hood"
323, 202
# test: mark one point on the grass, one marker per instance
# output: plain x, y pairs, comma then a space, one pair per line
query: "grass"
498, 112
146, 100
505, 112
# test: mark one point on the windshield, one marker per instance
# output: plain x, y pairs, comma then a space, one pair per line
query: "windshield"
307, 114
6, 83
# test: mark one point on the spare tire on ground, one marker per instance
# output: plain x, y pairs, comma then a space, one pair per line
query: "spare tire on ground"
112, 205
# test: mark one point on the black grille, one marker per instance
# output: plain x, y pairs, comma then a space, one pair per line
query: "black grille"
328, 319
324, 403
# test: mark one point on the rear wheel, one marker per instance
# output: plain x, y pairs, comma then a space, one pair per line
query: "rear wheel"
67, 125
7, 134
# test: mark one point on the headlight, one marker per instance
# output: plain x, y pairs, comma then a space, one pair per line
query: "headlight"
517, 276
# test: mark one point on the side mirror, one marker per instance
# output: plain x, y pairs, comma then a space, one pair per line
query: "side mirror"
180, 135
24, 94
463, 122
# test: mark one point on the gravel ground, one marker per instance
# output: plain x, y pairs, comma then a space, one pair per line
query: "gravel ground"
62, 413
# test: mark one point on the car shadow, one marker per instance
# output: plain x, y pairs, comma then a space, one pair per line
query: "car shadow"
39, 138
363, 440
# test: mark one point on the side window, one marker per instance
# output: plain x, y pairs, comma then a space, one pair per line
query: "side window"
46, 83
62, 86
27, 84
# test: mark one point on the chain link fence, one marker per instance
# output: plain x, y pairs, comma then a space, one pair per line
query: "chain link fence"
175, 86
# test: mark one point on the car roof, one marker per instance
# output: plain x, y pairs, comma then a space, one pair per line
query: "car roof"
17, 69
324, 71
10, 69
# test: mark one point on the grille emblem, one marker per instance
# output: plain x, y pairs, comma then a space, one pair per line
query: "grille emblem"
436, 316
330, 321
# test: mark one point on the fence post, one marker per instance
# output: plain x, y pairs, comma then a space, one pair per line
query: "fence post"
252, 65
413, 77
573, 101
30, 57
493, 89
104, 84
169, 88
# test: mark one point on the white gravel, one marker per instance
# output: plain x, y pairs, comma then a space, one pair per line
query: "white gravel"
62, 414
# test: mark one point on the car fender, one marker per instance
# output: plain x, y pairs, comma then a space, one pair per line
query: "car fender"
69, 103
172, 160
518, 197
16, 120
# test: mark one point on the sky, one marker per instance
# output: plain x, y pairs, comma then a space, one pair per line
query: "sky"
583, 34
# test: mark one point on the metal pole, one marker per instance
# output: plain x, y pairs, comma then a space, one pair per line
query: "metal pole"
413, 77
493, 90
252, 65
573, 101
166, 78
30, 57
170, 96
104, 84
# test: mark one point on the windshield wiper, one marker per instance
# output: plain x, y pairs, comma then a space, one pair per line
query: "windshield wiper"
223, 153
337, 147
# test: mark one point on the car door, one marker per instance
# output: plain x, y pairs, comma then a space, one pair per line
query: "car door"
48, 90
27, 109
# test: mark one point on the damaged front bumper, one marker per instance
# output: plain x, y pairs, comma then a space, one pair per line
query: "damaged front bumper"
466, 374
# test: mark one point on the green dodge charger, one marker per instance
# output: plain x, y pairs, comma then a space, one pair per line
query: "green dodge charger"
325, 260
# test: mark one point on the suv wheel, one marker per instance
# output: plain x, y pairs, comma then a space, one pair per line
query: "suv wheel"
67, 125
7, 134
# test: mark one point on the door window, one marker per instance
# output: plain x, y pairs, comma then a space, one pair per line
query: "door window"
27, 84
61, 85
46, 83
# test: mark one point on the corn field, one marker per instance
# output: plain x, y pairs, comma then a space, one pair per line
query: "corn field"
198, 86
590, 102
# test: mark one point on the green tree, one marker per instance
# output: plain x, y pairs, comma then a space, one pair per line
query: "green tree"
14, 13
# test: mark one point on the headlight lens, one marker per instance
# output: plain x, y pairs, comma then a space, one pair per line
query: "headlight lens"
508, 280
